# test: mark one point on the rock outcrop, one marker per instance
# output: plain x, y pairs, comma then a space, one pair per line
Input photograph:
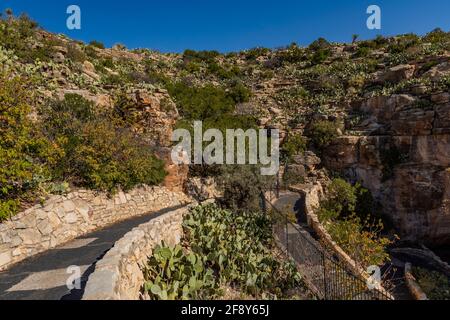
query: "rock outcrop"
403, 157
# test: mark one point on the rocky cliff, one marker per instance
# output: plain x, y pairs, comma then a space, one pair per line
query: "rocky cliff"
402, 153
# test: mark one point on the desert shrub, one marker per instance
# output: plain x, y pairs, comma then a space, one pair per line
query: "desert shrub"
239, 92
15, 35
106, 63
322, 133
435, 284
350, 222
320, 51
75, 54
362, 52
97, 44
242, 186
294, 145
200, 56
318, 44
200, 103
192, 67
97, 155
23, 153
91, 52
293, 54
345, 200
341, 199
361, 240
255, 53
403, 43
320, 56
437, 36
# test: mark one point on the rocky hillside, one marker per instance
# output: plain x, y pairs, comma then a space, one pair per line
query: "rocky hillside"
377, 111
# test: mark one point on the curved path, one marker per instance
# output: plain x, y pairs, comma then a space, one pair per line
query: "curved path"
44, 276
293, 202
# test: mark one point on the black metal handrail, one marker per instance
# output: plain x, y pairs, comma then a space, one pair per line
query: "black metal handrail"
325, 275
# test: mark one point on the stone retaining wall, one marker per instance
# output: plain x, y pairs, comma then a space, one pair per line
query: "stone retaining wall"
64, 218
119, 276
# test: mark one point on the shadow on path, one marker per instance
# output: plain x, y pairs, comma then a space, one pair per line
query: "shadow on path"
44, 276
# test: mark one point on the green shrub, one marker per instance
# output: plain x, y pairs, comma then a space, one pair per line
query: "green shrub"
341, 198
15, 35
362, 52
97, 44
322, 133
97, 155
294, 145
320, 51
255, 53
242, 186
347, 216
23, 153
435, 284
293, 54
106, 63
361, 240
200, 56
239, 92
200, 103
320, 56
403, 43
437, 36
75, 54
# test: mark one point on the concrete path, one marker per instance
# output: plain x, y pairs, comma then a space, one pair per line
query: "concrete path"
44, 277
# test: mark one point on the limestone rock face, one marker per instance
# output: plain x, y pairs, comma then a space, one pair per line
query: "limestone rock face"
405, 162
154, 114
308, 159
395, 74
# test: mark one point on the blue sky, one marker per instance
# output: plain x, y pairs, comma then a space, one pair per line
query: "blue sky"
231, 25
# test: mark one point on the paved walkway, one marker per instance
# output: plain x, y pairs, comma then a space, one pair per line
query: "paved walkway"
44, 277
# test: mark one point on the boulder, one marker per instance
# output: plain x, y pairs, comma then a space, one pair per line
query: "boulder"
89, 70
308, 159
439, 71
395, 74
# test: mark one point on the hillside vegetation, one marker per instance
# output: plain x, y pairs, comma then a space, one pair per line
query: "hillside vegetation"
374, 113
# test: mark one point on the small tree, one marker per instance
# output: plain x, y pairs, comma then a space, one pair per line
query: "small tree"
322, 133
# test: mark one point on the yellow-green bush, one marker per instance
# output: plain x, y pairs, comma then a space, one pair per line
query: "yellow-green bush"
22, 152
15, 35
355, 230
97, 154
322, 133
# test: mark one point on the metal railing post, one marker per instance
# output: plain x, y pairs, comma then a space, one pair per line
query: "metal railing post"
287, 236
324, 263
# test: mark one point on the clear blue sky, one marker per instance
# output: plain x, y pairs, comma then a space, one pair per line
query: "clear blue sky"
230, 25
